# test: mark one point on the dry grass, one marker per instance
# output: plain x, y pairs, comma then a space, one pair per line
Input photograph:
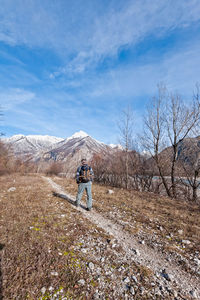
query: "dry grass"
149, 214
34, 233
40, 242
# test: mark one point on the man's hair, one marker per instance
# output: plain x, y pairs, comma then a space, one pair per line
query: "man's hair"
83, 159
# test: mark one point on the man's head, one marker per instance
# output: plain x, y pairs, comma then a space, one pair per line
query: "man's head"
83, 161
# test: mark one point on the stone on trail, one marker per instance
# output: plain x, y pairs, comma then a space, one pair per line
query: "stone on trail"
43, 290
54, 273
142, 242
12, 189
91, 266
81, 282
193, 294
136, 251
197, 261
187, 242
132, 291
167, 276
134, 278
110, 192
126, 280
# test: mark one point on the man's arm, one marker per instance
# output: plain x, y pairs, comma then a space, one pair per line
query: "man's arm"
77, 175
91, 174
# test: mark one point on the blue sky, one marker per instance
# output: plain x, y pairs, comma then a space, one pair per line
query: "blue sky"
74, 65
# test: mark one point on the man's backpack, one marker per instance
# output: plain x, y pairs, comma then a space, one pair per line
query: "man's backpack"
84, 174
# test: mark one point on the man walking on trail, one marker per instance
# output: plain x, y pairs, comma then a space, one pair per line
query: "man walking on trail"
84, 177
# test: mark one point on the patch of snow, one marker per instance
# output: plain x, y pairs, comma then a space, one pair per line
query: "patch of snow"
44, 138
30, 143
110, 192
54, 273
13, 138
114, 146
79, 134
82, 134
12, 189
146, 153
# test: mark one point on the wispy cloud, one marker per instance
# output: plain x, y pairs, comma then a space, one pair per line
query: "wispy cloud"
11, 98
64, 60
88, 32
178, 70
10, 58
16, 76
137, 19
128, 26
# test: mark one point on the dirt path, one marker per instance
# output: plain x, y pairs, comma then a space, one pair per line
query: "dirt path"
187, 284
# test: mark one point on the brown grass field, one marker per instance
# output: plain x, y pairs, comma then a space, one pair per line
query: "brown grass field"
41, 237
148, 214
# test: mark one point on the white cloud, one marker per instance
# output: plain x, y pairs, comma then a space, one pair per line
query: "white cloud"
131, 24
178, 70
84, 33
90, 30
11, 98
10, 58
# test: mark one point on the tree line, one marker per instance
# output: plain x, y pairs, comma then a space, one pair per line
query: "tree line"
161, 159
171, 165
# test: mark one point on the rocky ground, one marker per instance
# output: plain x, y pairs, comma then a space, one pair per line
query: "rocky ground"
52, 250
170, 278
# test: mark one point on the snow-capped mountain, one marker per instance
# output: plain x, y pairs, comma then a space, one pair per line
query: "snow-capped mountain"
44, 150
79, 134
83, 145
30, 144
35, 139
114, 146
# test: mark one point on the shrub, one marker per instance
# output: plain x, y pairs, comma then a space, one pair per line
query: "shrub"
54, 169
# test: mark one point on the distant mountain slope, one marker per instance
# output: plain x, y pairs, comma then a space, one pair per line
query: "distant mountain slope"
29, 145
188, 150
46, 149
72, 150
76, 148
188, 154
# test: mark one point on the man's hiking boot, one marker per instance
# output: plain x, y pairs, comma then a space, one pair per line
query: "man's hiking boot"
76, 204
89, 208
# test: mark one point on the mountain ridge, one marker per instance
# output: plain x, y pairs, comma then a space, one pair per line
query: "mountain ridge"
44, 150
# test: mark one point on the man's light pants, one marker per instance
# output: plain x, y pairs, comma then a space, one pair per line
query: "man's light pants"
81, 187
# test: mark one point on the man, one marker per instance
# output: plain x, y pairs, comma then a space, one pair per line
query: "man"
84, 177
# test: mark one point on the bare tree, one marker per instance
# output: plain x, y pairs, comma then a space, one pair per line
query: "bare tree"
3, 159
104, 166
54, 169
125, 126
154, 135
190, 167
194, 179
100, 166
167, 123
181, 121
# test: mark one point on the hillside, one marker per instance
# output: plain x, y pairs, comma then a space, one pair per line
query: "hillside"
27, 146
44, 150
69, 151
188, 151
130, 246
